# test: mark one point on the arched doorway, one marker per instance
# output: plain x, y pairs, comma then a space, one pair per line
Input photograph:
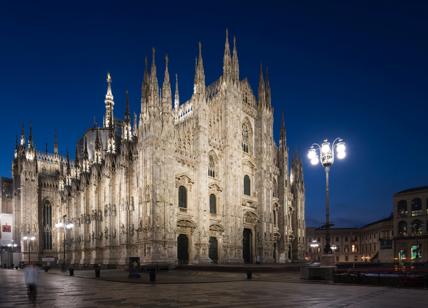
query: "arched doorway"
213, 250
183, 249
247, 246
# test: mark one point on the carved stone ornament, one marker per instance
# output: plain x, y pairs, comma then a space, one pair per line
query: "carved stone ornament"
185, 223
250, 218
217, 228
184, 180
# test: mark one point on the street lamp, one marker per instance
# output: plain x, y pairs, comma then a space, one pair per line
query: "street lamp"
63, 225
326, 153
29, 239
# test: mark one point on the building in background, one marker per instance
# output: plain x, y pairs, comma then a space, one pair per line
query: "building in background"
370, 243
187, 182
411, 225
8, 247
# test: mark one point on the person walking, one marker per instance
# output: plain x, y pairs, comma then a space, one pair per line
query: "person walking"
31, 275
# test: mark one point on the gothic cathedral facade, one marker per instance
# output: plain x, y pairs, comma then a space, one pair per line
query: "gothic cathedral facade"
192, 182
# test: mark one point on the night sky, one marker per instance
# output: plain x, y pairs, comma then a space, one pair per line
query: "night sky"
355, 70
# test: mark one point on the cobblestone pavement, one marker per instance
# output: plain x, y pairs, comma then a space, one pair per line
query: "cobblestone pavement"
266, 290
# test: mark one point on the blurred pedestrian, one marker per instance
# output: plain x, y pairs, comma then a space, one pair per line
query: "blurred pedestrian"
31, 275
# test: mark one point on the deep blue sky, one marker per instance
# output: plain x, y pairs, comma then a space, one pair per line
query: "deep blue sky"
355, 70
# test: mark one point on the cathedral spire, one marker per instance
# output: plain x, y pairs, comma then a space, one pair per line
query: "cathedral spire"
109, 102
262, 92
135, 128
22, 140
68, 163
97, 152
56, 142
282, 138
227, 61
76, 157
85, 149
85, 160
127, 117
145, 86
30, 137
235, 62
268, 92
126, 128
154, 85
199, 85
166, 90
176, 94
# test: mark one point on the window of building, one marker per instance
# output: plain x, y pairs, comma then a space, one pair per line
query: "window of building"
47, 226
416, 207
213, 204
247, 185
211, 167
246, 137
417, 228
337, 258
402, 228
402, 208
337, 239
402, 254
346, 238
346, 258
416, 252
355, 258
182, 197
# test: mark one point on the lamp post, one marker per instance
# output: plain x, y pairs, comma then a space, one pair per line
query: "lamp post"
326, 153
63, 225
29, 239
12, 247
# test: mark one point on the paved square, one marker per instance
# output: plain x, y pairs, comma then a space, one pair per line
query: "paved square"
266, 290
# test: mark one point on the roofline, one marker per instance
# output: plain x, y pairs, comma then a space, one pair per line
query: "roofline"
411, 190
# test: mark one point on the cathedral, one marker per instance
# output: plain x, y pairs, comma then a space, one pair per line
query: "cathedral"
194, 182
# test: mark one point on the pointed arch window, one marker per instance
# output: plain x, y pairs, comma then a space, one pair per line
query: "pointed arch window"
47, 226
211, 167
213, 204
247, 185
182, 197
247, 138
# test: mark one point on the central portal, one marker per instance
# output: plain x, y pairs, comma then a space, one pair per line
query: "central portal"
183, 249
247, 241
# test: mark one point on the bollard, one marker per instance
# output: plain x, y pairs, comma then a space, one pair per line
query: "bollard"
249, 275
71, 271
152, 275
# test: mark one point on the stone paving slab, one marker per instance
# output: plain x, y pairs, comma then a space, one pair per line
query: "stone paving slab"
65, 291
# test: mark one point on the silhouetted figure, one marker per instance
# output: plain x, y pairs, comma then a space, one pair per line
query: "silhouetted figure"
31, 274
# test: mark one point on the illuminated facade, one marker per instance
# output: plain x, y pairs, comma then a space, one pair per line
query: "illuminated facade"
183, 182
411, 225
370, 243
